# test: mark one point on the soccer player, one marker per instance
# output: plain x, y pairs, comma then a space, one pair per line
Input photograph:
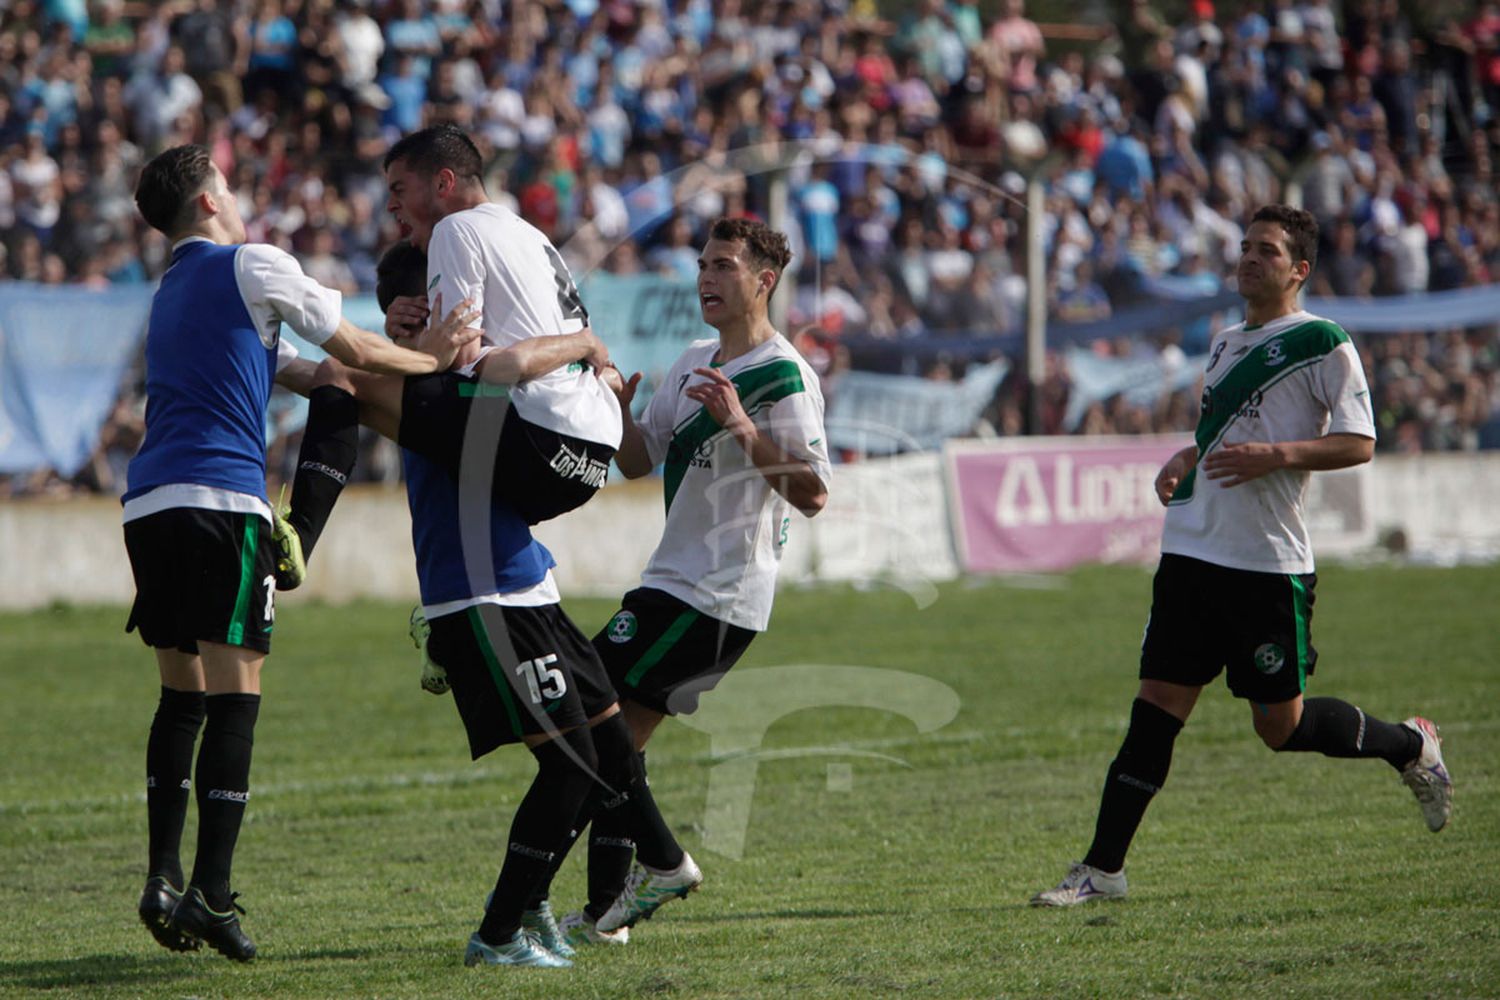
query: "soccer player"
519, 669
738, 423
561, 426
198, 527
1284, 395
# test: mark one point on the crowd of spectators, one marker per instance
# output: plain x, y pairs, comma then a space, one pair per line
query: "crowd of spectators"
622, 127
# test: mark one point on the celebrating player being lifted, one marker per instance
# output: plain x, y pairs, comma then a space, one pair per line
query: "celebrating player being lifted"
1284, 395
197, 524
548, 438
738, 425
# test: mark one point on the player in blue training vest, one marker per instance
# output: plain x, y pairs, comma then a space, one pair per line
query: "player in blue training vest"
198, 528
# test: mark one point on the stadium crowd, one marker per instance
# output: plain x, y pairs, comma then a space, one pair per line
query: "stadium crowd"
622, 128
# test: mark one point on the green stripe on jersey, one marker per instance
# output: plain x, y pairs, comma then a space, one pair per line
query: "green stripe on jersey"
659, 648
759, 387
497, 672
248, 545
1266, 363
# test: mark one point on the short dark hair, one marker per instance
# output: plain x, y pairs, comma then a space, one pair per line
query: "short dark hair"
766, 246
1301, 230
402, 271
435, 148
168, 185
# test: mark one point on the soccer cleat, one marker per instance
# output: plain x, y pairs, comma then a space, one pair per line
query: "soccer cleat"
157, 903
1427, 777
193, 918
580, 929
646, 890
542, 925
291, 568
1082, 884
522, 949
434, 677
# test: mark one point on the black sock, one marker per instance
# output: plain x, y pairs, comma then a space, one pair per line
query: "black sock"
1336, 728
543, 890
540, 830
610, 852
624, 770
1137, 774
330, 446
169, 770
223, 789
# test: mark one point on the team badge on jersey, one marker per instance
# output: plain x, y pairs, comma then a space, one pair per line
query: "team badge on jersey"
1275, 353
622, 627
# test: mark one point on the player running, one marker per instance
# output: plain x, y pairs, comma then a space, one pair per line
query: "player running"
738, 425
1284, 395
197, 524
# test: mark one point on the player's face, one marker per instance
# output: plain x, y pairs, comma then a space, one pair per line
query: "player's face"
1266, 270
412, 201
727, 282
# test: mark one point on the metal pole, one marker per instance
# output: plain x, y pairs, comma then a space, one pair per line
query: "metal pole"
1036, 302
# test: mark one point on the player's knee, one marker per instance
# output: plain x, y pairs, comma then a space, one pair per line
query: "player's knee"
1274, 730
331, 372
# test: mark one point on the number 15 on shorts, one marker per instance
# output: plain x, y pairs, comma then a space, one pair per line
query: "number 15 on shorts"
542, 680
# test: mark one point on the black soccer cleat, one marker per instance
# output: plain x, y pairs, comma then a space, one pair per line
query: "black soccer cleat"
193, 918
157, 904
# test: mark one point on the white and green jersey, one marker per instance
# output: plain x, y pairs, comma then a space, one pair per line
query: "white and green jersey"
726, 527
1295, 378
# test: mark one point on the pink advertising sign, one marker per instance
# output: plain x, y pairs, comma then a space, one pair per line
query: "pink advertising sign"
1031, 505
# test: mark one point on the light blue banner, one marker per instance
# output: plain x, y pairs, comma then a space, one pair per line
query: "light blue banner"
1142, 381
645, 320
876, 414
63, 352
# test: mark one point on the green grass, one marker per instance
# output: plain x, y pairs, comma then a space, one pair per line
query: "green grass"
371, 839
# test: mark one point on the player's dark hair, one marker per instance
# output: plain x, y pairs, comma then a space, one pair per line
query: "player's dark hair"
1301, 231
766, 246
402, 271
432, 149
168, 185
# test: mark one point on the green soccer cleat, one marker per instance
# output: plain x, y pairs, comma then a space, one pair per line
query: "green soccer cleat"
291, 567
522, 949
646, 889
434, 677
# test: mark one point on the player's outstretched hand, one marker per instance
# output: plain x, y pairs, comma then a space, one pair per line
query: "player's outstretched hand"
719, 397
406, 316
444, 339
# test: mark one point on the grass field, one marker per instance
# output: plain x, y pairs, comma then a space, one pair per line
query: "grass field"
889, 863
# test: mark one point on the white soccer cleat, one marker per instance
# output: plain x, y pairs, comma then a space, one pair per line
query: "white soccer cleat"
646, 890
1083, 884
579, 929
1427, 776
522, 949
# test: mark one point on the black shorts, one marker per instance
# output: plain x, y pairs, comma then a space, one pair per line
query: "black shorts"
518, 672
663, 653
1205, 618
536, 472
206, 575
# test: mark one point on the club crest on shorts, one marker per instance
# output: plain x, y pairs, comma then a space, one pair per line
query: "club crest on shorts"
621, 627
1269, 658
